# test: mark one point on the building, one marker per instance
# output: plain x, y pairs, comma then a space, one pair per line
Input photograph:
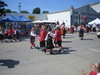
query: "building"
72, 16
75, 16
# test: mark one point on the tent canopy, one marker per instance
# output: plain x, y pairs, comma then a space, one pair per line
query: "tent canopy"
96, 21
15, 18
8, 19
44, 21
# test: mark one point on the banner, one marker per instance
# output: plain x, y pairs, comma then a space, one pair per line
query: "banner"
32, 17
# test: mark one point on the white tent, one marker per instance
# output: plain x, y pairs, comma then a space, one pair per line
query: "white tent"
38, 21
44, 21
96, 21
47, 21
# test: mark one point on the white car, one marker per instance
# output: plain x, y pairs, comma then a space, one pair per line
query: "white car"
98, 35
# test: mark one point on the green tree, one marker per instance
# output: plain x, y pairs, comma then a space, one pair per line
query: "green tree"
2, 7
13, 12
36, 11
45, 12
7, 11
24, 11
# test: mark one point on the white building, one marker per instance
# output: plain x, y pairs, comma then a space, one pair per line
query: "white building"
62, 16
72, 16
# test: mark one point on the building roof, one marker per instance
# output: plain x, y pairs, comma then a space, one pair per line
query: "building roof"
74, 8
60, 11
94, 3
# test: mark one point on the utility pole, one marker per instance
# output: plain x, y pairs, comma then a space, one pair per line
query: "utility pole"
19, 6
79, 13
88, 12
72, 15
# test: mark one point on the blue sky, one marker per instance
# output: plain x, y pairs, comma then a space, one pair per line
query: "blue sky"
46, 5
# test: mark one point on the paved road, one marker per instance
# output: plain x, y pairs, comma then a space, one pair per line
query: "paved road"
18, 59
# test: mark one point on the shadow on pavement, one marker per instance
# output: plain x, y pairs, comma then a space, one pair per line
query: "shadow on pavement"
9, 63
67, 37
65, 50
86, 39
66, 41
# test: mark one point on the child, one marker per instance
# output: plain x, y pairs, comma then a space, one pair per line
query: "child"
32, 37
42, 36
49, 41
92, 72
81, 32
58, 38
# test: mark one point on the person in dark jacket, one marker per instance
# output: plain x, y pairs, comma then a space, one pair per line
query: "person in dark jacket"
49, 40
81, 32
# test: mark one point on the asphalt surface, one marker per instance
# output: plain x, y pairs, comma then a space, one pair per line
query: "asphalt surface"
16, 58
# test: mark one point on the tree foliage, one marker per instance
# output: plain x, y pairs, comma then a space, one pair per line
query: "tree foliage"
13, 12
7, 11
36, 11
45, 12
2, 5
24, 11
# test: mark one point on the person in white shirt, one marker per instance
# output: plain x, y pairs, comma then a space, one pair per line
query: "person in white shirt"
49, 40
32, 37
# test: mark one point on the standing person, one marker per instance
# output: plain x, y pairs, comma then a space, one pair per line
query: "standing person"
49, 41
5, 34
10, 34
58, 38
63, 30
58, 25
17, 34
1, 34
32, 37
94, 28
87, 28
72, 29
42, 36
81, 32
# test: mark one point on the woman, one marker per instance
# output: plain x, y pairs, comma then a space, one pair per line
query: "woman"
42, 36
32, 37
58, 38
49, 41
81, 32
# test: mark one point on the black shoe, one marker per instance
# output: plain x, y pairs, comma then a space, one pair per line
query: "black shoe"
51, 53
59, 50
11, 41
36, 47
44, 50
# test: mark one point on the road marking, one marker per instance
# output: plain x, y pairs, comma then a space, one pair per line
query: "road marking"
94, 50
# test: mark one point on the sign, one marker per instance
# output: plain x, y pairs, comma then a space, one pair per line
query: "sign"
32, 17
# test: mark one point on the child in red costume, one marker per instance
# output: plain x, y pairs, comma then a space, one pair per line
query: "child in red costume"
42, 36
58, 38
92, 72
